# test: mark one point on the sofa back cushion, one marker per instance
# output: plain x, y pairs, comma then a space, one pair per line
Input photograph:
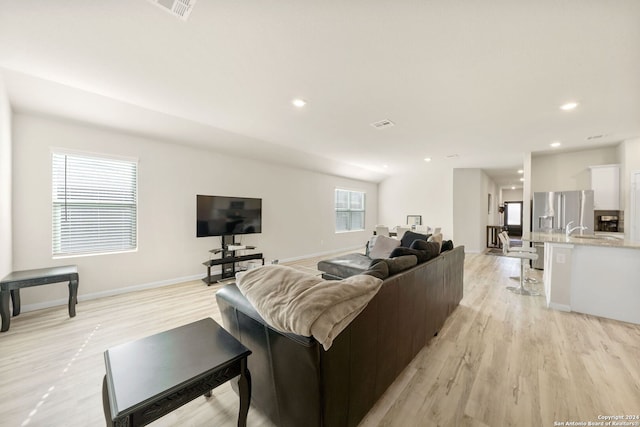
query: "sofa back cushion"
447, 245
398, 264
432, 248
379, 269
424, 251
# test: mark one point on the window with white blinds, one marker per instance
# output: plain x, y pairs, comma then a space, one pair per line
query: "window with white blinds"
94, 204
349, 210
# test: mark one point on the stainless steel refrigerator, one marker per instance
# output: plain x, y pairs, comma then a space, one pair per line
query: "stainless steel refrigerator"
553, 210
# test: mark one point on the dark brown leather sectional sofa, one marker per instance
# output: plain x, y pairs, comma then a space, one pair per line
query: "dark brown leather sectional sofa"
295, 382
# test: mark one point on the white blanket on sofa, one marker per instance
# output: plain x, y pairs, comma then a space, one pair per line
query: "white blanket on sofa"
293, 301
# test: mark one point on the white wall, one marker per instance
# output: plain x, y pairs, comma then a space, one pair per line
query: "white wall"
6, 258
427, 192
470, 208
512, 195
527, 192
489, 187
568, 171
298, 208
629, 152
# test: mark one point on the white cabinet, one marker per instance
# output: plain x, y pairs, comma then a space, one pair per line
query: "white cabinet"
605, 183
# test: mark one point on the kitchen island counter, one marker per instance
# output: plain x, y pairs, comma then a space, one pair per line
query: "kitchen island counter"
595, 275
599, 239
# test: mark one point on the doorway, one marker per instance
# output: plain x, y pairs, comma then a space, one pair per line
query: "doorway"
513, 218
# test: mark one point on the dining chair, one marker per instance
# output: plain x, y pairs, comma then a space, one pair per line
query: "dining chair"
382, 230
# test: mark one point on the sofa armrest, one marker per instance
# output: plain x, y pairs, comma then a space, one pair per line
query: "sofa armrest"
232, 296
285, 368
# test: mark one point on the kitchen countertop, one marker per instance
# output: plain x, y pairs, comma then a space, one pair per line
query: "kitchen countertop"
575, 239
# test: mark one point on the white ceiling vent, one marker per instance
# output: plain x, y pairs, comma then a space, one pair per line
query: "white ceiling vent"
179, 8
383, 124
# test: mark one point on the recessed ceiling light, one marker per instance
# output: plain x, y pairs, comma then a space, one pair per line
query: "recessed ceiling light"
569, 106
299, 102
427, 159
555, 144
520, 171
521, 179
385, 166
513, 187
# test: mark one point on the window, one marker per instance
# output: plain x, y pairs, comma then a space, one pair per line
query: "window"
349, 210
94, 204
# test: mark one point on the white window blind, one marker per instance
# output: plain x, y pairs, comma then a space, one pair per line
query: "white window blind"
94, 205
349, 210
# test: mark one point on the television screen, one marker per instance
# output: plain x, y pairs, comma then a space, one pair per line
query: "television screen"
224, 216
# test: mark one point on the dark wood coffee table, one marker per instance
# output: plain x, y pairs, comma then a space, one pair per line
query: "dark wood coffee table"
10, 287
151, 377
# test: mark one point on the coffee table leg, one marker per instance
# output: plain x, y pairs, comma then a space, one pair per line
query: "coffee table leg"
73, 296
15, 300
4, 310
244, 387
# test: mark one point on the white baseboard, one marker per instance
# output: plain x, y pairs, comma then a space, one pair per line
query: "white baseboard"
158, 284
473, 251
318, 254
559, 307
110, 292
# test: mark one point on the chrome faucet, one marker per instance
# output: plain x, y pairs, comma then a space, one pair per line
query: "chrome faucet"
569, 229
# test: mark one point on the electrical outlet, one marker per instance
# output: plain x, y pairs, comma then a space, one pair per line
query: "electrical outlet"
561, 259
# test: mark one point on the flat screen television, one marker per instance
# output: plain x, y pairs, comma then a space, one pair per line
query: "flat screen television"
226, 216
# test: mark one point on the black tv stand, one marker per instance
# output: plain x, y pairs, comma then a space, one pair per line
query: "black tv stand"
228, 260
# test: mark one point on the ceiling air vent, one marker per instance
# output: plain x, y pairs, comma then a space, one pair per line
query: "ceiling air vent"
383, 124
179, 8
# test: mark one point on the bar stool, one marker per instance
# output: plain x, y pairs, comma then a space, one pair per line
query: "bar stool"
517, 249
524, 257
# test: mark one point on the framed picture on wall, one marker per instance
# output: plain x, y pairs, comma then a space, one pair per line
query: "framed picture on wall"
414, 219
489, 204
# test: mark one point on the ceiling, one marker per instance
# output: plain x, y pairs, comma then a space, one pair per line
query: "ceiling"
479, 80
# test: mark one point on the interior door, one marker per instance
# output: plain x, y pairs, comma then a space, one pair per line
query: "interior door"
513, 218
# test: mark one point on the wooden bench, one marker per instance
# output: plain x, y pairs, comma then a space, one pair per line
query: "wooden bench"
10, 288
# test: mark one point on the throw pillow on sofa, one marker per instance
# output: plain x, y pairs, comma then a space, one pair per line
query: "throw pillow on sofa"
369, 245
382, 247
447, 245
410, 236
436, 238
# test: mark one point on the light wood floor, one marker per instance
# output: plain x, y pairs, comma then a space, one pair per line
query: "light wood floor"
501, 359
